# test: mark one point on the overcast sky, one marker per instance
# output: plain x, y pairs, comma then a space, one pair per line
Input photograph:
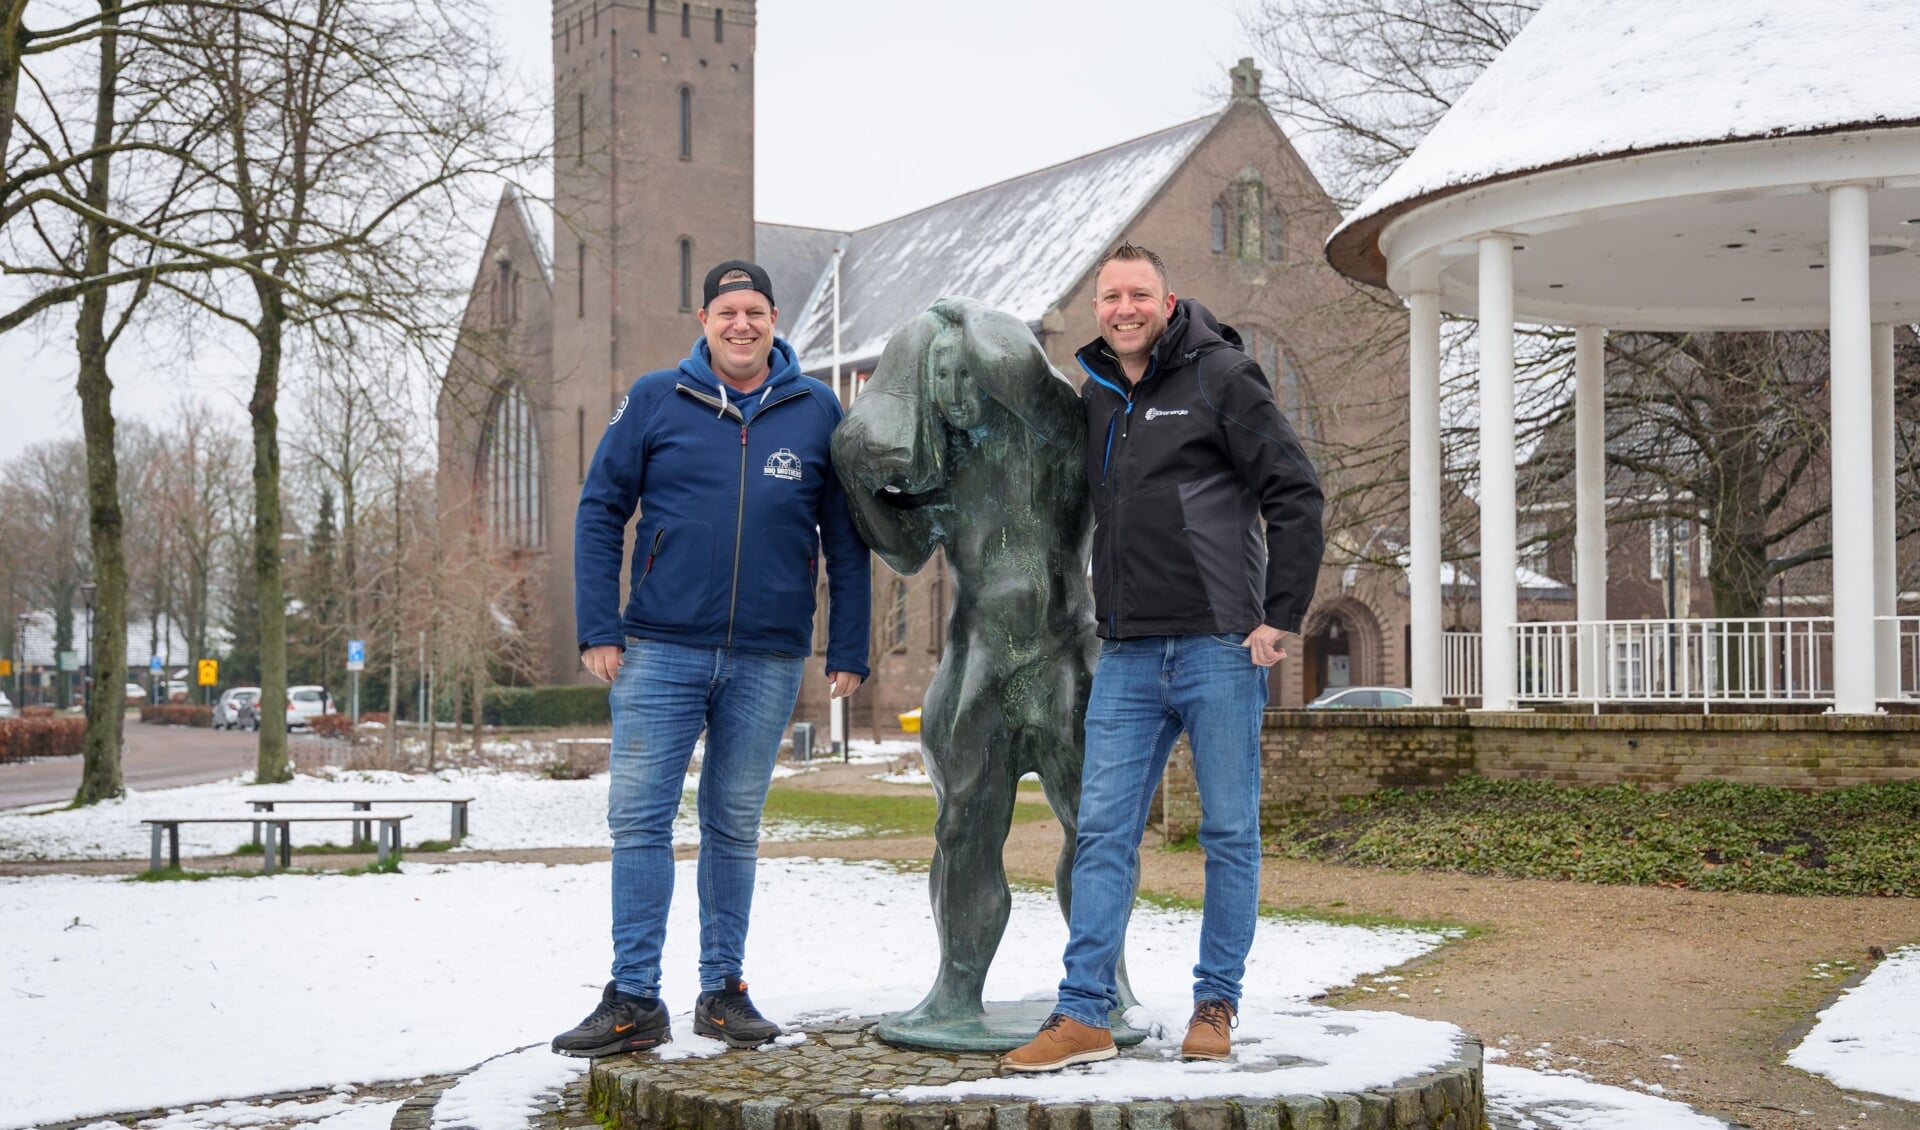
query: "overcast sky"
867, 109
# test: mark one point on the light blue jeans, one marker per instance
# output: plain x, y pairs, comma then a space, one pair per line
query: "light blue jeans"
1145, 692
663, 697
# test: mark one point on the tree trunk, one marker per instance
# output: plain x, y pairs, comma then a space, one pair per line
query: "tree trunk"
13, 49
271, 764
107, 657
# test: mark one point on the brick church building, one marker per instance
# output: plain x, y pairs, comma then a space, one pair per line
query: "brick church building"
653, 183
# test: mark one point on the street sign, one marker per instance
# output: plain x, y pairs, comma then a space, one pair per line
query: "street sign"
6, 668
69, 660
356, 655
156, 665
209, 672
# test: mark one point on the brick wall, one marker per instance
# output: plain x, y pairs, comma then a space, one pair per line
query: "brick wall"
1315, 759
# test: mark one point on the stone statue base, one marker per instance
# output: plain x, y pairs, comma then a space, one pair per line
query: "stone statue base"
1004, 1026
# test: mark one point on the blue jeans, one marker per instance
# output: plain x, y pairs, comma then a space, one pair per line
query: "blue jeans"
664, 695
1145, 691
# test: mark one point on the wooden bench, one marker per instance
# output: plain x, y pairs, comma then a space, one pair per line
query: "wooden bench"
278, 849
362, 832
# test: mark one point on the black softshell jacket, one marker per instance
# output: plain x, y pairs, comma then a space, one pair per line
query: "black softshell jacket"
1183, 467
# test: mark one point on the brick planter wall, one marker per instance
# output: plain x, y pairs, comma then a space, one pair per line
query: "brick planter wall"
1314, 759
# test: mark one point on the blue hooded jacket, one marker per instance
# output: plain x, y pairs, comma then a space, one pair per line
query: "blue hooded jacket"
737, 497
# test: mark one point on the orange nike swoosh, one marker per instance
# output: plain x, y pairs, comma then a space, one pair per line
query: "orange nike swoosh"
621, 1027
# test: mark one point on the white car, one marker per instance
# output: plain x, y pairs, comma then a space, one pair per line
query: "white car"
226, 712
6, 705
304, 704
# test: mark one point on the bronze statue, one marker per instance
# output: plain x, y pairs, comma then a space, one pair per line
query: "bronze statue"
967, 439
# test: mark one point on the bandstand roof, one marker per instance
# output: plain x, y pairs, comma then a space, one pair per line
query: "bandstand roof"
1660, 165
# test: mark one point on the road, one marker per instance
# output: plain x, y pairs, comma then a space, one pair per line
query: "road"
154, 757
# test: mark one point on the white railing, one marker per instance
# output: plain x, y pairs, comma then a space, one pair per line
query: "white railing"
1463, 666
1907, 629
1781, 659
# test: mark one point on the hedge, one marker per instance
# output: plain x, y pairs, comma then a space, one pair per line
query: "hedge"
546, 706
178, 714
21, 738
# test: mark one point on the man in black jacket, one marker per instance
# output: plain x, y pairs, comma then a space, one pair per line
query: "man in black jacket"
1187, 453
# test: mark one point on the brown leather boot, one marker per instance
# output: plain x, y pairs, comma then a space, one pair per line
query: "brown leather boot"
1061, 1042
1210, 1032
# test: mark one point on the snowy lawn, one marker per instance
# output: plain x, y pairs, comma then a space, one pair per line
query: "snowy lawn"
1869, 1039
242, 986
510, 810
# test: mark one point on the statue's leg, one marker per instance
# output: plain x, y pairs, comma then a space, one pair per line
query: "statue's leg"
968, 758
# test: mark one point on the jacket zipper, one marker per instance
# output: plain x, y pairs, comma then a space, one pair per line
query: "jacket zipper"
652, 553
740, 509
1126, 425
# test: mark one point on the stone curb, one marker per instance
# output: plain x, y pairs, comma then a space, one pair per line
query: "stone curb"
830, 1083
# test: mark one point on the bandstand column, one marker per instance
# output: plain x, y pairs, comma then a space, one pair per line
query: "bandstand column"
1590, 500
1886, 632
1499, 598
1427, 663
1851, 350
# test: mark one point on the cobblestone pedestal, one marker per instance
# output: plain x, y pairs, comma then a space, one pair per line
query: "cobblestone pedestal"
844, 1078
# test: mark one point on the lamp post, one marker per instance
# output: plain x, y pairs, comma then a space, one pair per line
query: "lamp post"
20, 652
87, 589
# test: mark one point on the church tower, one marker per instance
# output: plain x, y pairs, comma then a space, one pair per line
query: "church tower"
653, 184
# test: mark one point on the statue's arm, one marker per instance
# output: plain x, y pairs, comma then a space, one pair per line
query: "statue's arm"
903, 537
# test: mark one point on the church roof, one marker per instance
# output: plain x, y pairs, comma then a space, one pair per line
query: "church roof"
1586, 82
796, 260
1018, 246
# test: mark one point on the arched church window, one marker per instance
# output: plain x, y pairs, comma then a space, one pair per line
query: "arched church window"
1271, 244
510, 472
686, 123
686, 21
1249, 207
686, 273
1217, 228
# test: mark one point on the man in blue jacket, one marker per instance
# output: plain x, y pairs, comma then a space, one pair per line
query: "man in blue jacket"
727, 459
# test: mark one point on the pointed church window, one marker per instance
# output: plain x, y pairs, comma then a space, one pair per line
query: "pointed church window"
686, 123
510, 472
1218, 224
686, 273
1272, 243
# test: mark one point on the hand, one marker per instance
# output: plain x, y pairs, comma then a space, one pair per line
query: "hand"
603, 661
1264, 643
844, 683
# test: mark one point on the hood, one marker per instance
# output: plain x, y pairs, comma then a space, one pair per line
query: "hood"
1191, 331
696, 371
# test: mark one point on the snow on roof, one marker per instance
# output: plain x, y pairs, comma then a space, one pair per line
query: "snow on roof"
535, 233
1018, 246
1586, 82
796, 260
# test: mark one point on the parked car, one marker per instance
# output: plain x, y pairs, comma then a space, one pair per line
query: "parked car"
1355, 698
226, 712
304, 704
6, 705
136, 694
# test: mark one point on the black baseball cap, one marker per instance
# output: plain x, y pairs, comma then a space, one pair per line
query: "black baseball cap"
756, 280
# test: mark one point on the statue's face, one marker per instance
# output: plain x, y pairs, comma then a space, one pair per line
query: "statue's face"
1132, 306
739, 327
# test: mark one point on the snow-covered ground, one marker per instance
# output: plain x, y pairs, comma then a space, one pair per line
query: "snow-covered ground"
1869, 1039
201, 994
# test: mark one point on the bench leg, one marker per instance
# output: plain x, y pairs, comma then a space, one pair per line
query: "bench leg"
286, 845
362, 829
271, 854
458, 831
153, 861
260, 806
387, 830
173, 845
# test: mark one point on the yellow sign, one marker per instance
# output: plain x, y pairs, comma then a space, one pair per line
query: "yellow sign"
209, 672
6, 668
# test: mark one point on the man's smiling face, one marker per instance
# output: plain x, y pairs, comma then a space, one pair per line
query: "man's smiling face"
739, 325
1132, 304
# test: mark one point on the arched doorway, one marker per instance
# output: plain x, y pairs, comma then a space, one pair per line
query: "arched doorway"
1342, 649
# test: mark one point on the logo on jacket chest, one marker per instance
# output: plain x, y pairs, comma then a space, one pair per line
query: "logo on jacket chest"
783, 464
1156, 413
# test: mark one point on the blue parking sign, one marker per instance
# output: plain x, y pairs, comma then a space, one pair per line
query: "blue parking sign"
154, 665
356, 655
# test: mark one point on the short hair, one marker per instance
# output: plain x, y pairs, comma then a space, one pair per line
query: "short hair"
734, 276
1133, 252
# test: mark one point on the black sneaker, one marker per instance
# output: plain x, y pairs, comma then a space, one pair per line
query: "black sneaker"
729, 1015
620, 1024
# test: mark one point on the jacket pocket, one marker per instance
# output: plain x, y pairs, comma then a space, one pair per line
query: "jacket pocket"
673, 576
